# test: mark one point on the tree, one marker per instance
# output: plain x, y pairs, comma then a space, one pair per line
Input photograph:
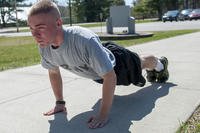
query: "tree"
90, 10
7, 7
143, 9
78, 10
93, 8
140, 9
118, 2
4, 6
155, 6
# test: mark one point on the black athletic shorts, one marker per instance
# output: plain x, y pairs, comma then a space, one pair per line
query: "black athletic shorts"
128, 66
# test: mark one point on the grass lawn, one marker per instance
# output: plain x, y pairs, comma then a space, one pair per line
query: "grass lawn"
157, 36
23, 51
98, 24
192, 125
17, 52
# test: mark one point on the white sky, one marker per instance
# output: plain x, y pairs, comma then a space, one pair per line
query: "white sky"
128, 2
23, 15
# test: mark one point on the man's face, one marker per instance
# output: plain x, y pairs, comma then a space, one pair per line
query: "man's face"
43, 28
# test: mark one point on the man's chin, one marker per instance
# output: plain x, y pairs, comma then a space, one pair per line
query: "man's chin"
42, 45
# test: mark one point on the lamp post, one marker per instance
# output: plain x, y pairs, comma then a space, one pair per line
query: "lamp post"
70, 13
15, 6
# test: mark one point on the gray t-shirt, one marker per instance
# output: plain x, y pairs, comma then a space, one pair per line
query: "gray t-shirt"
81, 53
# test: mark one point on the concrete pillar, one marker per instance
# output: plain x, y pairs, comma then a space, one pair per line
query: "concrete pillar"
109, 25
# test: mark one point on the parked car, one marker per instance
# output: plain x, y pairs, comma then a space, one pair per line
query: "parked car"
184, 14
195, 14
170, 16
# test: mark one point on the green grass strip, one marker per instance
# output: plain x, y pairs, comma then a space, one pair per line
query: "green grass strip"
157, 36
22, 51
14, 56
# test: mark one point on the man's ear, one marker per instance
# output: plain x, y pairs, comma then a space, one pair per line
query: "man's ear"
59, 22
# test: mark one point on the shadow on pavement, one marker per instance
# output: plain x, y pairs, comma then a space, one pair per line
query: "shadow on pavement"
125, 110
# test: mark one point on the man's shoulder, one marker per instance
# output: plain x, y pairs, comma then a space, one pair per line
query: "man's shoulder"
80, 32
74, 28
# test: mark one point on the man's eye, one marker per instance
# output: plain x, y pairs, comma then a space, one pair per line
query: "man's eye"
42, 28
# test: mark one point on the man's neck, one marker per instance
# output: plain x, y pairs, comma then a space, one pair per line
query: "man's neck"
59, 39
54, 47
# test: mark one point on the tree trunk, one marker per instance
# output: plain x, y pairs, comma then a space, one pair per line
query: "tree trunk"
160, 9
3, 20
186, 3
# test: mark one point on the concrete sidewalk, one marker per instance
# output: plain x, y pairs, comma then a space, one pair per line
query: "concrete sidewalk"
154, 108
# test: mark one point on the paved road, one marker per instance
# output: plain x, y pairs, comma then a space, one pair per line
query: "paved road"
157, 26
142, 27
154, 108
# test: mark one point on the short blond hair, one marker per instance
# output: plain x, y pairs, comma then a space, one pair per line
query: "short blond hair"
44, 6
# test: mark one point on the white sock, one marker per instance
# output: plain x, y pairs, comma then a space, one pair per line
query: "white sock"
159, 66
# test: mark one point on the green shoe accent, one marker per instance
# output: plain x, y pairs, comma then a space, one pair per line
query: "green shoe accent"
163, 75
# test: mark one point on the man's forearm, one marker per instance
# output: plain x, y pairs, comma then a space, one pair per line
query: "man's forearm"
56, 83
107, 93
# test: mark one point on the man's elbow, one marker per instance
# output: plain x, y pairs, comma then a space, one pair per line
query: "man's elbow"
110, 76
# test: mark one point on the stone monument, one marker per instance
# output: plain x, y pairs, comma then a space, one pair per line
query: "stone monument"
120, 17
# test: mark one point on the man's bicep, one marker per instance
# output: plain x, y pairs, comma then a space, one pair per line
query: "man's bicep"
47, 64
100, 58
110, 74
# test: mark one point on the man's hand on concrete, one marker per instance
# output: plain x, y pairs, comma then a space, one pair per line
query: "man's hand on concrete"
97, 122
58, 108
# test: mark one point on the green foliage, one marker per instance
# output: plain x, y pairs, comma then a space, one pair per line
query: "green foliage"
118, 2
141, 10
90, 10
78, 10
147, 8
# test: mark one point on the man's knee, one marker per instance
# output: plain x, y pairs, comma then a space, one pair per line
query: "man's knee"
148, 62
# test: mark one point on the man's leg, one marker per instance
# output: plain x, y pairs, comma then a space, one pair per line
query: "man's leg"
148, 62
156, 68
